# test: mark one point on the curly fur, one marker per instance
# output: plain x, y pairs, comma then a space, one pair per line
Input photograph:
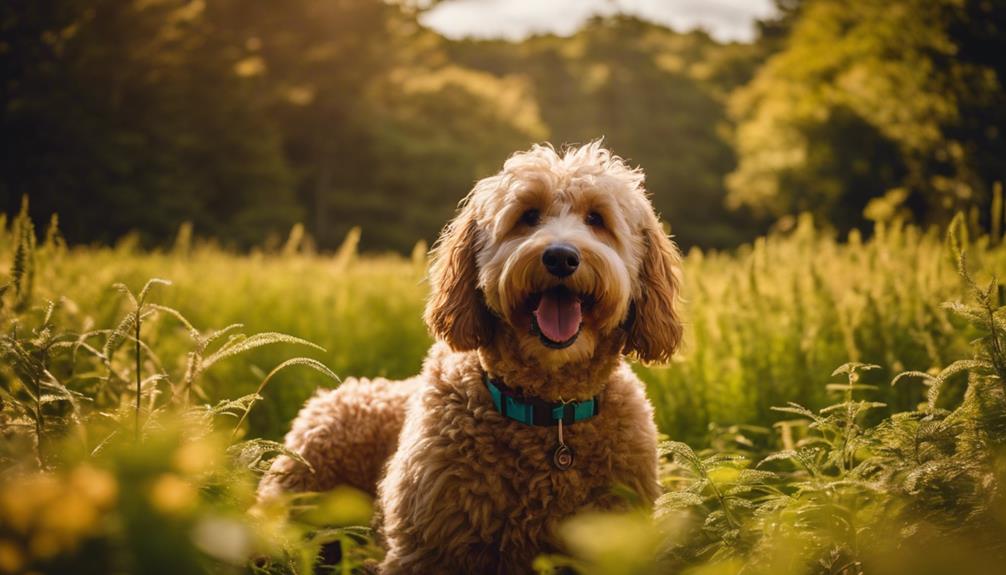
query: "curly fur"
460, 488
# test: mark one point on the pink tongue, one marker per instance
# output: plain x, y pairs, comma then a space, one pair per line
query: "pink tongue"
558, 315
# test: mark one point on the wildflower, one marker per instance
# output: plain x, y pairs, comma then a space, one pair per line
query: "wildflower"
172, 495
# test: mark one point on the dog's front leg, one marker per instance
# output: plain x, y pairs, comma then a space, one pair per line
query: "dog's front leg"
430, 523
439, 508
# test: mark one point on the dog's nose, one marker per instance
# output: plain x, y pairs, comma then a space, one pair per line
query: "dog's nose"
561, 259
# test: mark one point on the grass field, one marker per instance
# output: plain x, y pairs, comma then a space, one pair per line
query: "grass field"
766, 327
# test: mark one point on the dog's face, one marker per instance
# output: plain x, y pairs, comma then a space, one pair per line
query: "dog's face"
563, 251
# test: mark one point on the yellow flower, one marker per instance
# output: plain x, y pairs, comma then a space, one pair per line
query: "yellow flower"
98, 485
21, 499
172, 495
196, 457
70, 515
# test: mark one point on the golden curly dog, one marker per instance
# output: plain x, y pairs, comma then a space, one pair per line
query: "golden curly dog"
525, 412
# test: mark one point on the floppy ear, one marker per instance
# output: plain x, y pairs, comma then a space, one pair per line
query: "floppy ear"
656, 330
455, 312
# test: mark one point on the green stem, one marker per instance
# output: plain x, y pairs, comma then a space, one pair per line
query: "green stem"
849, 414
251, 403
138, 375
731, 520
996, 352
39, 424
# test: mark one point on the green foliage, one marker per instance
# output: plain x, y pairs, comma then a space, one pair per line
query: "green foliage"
128, 116
868, 98
107, 464
764, 323
656, 96
243, 119
125, 425
365, 312
22, 271
917, 492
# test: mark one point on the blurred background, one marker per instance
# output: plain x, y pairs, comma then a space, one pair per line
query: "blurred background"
245, 117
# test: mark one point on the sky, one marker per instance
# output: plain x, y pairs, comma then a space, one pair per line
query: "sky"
725, 20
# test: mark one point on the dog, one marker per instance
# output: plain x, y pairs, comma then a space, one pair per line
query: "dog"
526, 411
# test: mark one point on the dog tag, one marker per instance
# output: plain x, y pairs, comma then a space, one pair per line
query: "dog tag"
562, 457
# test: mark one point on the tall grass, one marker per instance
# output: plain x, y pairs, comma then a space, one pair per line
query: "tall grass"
920, 491
137, 415
365, 312
765, 323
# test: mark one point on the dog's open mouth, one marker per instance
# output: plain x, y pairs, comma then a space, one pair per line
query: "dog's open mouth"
557, 315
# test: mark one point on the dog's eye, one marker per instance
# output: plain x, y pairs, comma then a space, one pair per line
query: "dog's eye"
530, 218
595, 220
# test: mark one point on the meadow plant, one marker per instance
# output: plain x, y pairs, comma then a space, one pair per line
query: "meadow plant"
113, 461
134, 437
919, 491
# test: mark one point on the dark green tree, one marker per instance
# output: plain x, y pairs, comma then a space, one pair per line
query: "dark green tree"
657, 98
870, 98
129, 115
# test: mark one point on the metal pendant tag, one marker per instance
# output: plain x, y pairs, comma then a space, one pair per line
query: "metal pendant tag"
562, 457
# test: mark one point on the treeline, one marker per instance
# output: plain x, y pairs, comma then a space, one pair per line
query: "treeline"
247, 116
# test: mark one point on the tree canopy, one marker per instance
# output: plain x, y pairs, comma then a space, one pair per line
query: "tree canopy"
245, 117
872, 98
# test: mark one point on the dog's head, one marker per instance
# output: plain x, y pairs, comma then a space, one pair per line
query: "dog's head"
564, 251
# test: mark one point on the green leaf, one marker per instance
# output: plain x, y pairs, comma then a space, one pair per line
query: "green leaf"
681, 450
798, 410
679, 500
852, 367
850, 387
916, 374
257, 454
149, 285
788, 454
241, 345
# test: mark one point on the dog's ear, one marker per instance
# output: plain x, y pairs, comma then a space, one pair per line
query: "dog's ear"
455, 312
656, 330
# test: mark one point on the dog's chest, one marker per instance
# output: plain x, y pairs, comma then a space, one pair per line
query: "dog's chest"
535, 494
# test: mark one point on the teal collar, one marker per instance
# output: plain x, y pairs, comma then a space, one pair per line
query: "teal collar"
535, 411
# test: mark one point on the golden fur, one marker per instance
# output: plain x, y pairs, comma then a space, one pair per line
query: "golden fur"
460, 488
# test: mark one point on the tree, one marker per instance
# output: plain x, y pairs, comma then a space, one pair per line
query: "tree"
437, 131
128, 115
871, 96
657, 98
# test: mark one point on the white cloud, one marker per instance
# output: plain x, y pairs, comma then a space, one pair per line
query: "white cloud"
725, 20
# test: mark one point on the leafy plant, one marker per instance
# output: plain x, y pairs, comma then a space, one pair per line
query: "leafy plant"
119, 413
122, 429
